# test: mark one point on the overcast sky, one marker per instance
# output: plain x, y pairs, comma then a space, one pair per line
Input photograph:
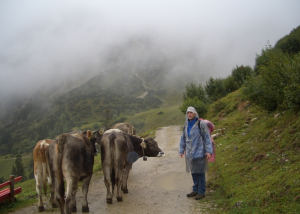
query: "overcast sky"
41, 41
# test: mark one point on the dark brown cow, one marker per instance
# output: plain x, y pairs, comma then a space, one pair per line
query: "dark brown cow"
118, 152
125, 127
41, 172
71, 156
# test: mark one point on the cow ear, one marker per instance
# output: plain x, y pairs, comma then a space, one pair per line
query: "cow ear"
89, 134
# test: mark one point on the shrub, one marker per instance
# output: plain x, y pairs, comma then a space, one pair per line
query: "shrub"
215, 88
200, 107
277, 86
240, 74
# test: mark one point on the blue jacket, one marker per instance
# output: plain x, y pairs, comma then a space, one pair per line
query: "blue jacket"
198, 144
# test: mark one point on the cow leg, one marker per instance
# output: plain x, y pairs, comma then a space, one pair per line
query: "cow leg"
107, 181
45, 175
85, 189
60, 193
39, 184
72, 185
118, 180
128, 166
51, 189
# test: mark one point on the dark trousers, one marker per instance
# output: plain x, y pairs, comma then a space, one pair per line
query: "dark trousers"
199, 183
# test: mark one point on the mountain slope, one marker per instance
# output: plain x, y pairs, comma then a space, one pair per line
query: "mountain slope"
257, 165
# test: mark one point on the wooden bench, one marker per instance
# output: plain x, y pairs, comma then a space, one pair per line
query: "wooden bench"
9, 193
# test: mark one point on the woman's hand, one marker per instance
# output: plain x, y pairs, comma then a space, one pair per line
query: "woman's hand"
208, 155
181, 155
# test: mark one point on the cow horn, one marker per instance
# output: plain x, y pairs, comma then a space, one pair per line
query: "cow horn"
96, 131
143, 144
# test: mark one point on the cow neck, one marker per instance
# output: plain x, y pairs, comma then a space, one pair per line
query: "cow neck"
136, 143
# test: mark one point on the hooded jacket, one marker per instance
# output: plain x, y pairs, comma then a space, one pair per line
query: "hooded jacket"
198, 143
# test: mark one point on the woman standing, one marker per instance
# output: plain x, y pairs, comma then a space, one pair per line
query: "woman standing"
196, 144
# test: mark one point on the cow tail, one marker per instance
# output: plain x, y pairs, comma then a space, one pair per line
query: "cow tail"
43, 148
62, 139
112, 138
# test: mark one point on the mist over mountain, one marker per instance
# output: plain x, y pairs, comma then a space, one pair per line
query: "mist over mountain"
137, 68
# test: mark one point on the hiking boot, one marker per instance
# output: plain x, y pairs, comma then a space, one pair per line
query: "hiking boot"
192, 194
200, 196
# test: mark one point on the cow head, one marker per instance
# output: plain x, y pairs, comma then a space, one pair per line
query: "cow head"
95, 137
151, 148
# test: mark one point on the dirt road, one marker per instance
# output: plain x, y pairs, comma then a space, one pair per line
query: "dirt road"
158, 185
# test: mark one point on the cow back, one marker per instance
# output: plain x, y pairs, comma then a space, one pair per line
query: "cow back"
125, 127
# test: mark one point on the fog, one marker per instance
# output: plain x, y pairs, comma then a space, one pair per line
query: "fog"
44, 42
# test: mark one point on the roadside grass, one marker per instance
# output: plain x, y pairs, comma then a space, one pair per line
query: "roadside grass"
257, 159
27, 197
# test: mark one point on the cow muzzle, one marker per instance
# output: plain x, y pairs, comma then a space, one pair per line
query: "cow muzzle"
161, 154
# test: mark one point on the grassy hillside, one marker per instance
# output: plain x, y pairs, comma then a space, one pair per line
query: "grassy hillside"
159, 117
257, 158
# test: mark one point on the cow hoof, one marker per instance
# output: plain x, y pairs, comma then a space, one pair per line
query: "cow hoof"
85, 209
41, 209
109, 200
125, 191
119, 199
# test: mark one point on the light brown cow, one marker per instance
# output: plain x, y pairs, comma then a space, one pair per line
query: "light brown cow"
125, 127
41, 172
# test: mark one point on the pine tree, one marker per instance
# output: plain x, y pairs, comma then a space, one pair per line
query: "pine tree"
13, 171
19, 166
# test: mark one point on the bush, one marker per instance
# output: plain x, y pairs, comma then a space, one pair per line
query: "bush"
192, 91
240, 74
277, 86
200, 107
215, 88
230, 84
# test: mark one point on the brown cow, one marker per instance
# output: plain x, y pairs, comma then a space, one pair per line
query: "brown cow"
41, 172
71, 156
118, 152
125, 127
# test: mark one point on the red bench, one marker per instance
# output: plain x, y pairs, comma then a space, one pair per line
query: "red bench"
9, 193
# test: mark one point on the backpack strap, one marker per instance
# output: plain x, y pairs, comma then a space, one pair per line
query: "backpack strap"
201, 129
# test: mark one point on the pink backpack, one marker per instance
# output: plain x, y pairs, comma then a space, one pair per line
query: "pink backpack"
211, 128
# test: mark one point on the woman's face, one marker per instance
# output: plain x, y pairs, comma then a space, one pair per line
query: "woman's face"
191, 115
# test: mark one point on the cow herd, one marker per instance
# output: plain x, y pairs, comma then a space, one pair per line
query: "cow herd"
69, 158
